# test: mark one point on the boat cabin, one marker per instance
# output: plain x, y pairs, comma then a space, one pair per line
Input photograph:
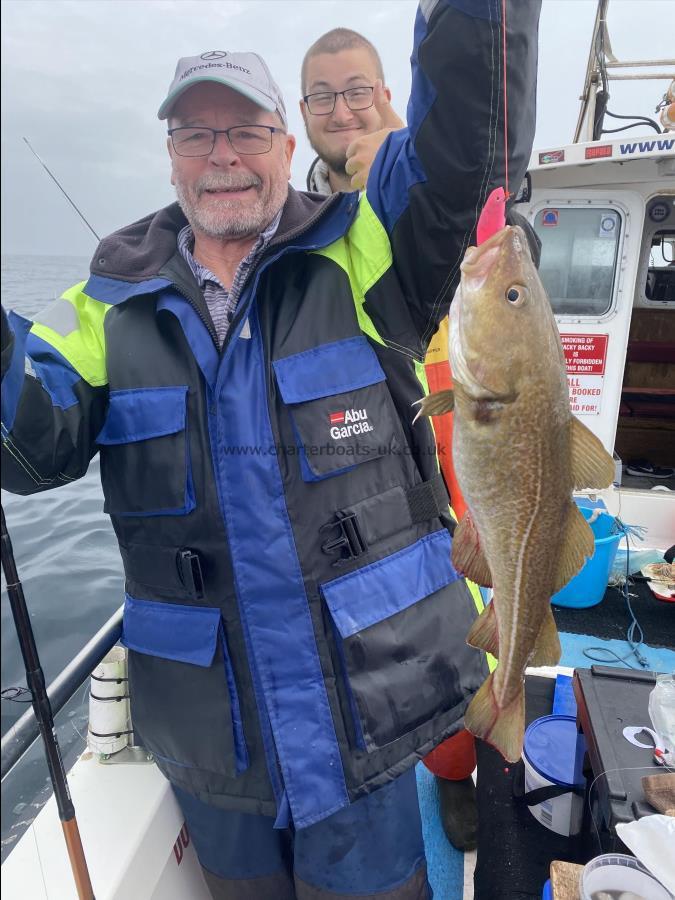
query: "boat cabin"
605, 214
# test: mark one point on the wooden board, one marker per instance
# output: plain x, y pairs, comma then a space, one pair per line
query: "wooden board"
565, 879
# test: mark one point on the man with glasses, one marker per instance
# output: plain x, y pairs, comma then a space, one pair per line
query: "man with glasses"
244, 362
339, 76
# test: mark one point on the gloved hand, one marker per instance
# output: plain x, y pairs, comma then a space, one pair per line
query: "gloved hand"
6, 341
515, 218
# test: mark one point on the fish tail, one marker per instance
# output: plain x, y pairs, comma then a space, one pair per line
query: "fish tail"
502, 727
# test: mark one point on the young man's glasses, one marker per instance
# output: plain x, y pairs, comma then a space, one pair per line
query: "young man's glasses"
246, 140
323, 102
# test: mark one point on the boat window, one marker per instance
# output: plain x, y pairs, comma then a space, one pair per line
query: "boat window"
660, 283
578, 258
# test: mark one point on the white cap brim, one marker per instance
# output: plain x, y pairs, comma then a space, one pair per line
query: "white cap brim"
251, 93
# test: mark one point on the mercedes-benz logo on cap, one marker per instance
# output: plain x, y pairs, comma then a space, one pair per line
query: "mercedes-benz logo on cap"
214, 54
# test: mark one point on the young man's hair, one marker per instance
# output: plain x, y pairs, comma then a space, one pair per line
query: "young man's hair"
333, 42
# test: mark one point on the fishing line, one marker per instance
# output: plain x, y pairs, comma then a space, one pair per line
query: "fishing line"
506, 106
620, 769
17, 696
634, 626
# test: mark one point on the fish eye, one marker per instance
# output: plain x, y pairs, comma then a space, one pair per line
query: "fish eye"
516, 294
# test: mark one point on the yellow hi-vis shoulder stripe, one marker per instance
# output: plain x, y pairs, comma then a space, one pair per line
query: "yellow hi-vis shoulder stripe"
73, 325
364, 253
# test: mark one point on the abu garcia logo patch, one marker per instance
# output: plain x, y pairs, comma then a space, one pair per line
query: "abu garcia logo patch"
349, 422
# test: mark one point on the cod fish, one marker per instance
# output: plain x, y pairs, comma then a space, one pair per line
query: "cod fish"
518, 454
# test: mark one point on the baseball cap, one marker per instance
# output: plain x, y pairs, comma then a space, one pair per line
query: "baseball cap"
246, 73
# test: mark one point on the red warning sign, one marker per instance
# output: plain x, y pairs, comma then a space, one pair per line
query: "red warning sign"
585, 354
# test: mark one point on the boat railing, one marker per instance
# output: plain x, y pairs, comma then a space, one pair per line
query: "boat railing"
24, 732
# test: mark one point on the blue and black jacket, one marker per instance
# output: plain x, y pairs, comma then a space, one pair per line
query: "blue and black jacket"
295, 626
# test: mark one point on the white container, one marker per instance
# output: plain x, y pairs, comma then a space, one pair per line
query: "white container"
622, 873
109, 704
550, 754
618, 470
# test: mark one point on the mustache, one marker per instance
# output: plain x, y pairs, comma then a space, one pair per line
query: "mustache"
225, 182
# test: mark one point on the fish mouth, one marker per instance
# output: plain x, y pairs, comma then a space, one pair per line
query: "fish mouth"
478, 261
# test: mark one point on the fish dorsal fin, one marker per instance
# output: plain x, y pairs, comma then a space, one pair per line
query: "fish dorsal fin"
467, 555
592, 466
576, 546
547, 650
484, 632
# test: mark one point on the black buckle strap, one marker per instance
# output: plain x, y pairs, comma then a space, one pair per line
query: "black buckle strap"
428, 500
349, 542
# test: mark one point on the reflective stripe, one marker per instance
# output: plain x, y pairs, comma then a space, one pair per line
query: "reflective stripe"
74, 326
60, 316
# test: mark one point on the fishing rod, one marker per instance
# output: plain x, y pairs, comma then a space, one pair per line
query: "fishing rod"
54, 179
43, 713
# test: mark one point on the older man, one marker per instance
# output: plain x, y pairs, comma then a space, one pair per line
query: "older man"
295, 628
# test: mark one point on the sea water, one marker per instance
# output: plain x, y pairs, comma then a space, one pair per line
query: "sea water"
68, 562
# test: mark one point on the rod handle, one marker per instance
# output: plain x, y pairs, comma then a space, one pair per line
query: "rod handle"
77, 860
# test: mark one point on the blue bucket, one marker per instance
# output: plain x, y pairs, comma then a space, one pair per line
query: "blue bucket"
587, 588
552, 757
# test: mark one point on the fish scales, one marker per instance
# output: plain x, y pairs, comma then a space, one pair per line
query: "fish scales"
518, 455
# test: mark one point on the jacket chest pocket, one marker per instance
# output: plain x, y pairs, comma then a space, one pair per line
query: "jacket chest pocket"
340, 407
145, 456
399, 628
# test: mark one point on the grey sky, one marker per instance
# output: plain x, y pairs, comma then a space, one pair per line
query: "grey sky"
83, 79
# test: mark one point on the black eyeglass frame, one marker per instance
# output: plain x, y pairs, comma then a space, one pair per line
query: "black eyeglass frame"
216, 131
307, 98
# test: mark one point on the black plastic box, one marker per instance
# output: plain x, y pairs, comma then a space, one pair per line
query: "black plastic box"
609, 700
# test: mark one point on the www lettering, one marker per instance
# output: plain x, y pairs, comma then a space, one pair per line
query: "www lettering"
647, 146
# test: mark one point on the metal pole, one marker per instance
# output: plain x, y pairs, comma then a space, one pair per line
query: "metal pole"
19, 736
43, 712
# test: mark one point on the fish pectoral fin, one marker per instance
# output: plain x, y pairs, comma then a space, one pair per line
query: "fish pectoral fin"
576, 546
592, 466
547, 649
503, 727
435, 404
467, 554
484, 632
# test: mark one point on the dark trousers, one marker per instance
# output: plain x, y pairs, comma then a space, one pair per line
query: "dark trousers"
372, 848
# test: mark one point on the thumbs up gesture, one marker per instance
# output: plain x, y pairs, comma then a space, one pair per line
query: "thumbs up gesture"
362, 151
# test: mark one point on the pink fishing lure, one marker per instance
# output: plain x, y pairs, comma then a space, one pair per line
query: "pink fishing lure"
493, 216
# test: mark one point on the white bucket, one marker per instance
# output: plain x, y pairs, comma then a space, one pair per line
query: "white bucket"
551, 755
109, 704
621, 873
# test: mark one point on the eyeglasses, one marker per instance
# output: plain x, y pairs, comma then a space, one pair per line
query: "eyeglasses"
323, 103
246, 140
